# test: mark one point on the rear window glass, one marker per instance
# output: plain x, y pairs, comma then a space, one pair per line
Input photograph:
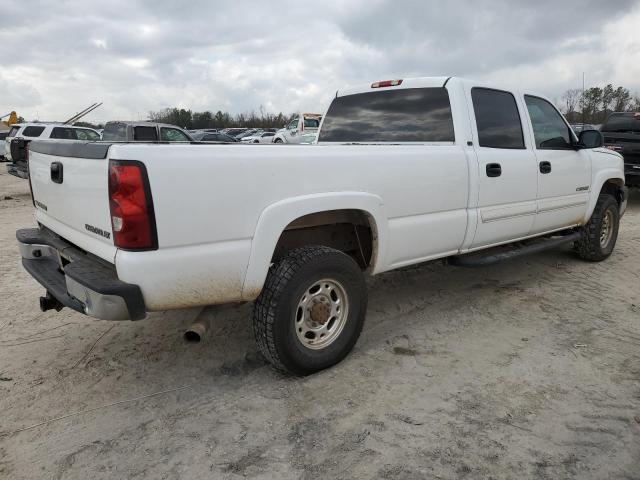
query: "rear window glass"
311, 122
497, 119
622, 122
14, 131
145, 134
63, 133
32, 131
115, 132
406, 115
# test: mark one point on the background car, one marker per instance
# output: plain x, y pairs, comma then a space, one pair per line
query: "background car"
213, 137
120, 131
261, 137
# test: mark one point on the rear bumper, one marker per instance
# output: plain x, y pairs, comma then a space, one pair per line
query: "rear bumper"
78, 280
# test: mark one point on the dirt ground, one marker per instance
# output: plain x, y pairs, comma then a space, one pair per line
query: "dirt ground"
528, 369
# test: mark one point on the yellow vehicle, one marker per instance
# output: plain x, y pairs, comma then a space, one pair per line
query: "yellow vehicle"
13, 118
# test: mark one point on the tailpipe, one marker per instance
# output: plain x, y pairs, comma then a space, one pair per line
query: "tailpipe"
196, 332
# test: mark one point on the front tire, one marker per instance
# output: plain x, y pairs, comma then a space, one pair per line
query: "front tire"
278, 140
600, 233
311, 310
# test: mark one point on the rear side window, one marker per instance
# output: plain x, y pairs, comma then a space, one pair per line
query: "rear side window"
549, 129
63, 133
3, 135
32, 131
84, 134
14, 131
497, 119
145, 134
406, 115
115, 132
173, 135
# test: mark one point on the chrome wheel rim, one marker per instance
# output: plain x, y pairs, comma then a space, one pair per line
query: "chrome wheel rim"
606, 230
321, 314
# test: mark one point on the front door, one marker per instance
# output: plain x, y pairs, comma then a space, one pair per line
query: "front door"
564, 173
506, 168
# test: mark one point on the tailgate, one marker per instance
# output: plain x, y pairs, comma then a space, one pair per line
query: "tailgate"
69, 181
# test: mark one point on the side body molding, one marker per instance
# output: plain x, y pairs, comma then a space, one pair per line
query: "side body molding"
277, 216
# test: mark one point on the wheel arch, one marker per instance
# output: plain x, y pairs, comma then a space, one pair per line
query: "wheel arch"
606, 181
275, 219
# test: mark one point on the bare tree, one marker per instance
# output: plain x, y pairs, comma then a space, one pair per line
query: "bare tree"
571, 98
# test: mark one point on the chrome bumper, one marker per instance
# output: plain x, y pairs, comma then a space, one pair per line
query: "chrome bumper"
76, 280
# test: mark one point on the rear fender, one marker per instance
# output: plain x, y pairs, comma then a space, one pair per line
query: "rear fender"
274, 219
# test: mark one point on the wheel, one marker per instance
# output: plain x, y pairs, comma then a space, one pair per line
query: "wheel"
278, 140
600, 233
311, 310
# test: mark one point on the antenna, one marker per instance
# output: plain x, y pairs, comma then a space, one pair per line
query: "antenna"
82, 113
583, 98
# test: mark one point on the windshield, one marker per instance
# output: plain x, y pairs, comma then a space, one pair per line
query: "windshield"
622, 122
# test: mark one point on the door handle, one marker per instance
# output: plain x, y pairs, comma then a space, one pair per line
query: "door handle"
494, 170
56, 172
545, 167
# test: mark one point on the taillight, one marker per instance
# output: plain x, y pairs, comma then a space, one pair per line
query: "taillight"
386, 83
132, 216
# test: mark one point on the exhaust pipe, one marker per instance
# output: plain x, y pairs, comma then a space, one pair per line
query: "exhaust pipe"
196, 332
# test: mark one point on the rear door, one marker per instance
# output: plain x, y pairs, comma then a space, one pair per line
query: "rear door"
506, 167
564, 173
70, 192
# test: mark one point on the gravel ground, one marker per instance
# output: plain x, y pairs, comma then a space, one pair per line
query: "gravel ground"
528, 369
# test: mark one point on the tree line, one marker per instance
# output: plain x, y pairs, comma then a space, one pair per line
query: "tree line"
195, 120
594, 104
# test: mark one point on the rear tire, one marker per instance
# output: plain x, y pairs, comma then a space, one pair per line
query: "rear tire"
278, 140
600, 233
311, 310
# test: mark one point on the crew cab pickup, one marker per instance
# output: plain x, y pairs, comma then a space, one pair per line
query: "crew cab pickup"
404, 172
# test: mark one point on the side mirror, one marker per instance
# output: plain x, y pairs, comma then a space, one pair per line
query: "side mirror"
590, 139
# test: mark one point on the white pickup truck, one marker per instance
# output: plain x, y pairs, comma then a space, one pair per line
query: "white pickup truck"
303, 128
404, 171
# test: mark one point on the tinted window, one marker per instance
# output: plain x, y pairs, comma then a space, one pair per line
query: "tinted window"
549, 128
145, 134
311, 123
620, 122
3, 135
268, 134
115, 132
497, 119
32, 131
63, 133
14, 131
173, 135
406, 115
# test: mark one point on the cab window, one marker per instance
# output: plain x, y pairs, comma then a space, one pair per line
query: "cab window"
497, 119
145, 134
293, 125
173, 135
549, 128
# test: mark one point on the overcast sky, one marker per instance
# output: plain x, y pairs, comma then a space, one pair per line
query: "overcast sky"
58, 57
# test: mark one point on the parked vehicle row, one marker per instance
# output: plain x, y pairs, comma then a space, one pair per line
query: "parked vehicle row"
418, 170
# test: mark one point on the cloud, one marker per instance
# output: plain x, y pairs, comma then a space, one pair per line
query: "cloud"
285, 56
